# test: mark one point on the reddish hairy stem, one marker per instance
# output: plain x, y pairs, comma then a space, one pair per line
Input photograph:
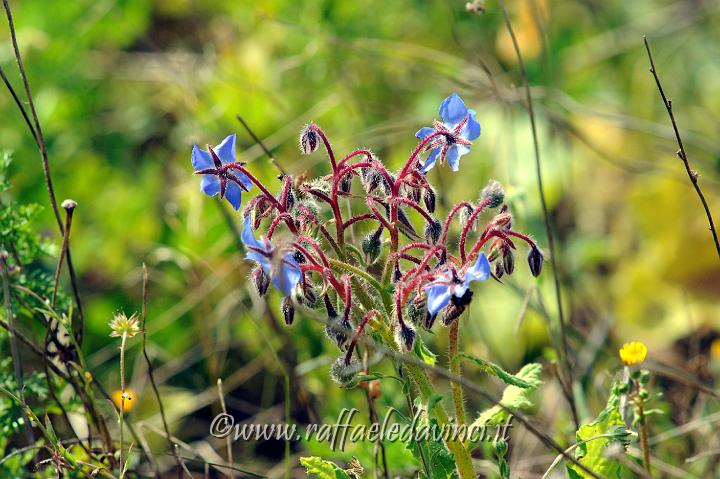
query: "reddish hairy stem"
326, 143
466, 229
415, 206
353, 342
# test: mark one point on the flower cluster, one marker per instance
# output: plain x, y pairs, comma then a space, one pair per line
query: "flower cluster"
396, 277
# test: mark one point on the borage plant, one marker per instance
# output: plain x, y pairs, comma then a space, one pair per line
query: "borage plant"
394, 280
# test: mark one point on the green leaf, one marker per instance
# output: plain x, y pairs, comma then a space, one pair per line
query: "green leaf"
591, 452
439, 459
493, 369
424, 352
322, 469
514, 397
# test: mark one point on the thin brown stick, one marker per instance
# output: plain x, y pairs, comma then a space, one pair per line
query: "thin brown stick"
566, 381
692, 174
143, 331
69, 206
261, 144
17, 365
40, 139
228, 439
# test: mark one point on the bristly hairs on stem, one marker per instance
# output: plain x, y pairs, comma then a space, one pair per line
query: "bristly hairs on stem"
692, 174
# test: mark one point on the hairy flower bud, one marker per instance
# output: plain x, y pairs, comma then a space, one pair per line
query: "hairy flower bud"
329, 306
397, 274
416, 309
339, 330
535, 261
465, 214
288, 310
494, 192
371, 179
345, 184
498, 269
429, 198
342, 372
405, 336
429, 320
290, 201
433, 229
309, 140
509, 261
371, 246
261, 280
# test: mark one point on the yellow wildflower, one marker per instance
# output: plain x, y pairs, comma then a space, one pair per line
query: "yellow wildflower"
633, 353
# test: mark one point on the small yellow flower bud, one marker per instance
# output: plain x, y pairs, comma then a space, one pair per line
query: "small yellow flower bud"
130, 399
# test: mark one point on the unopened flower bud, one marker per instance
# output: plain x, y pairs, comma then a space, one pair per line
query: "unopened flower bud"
414, 194
498, 269
260, 279
345, 184
329, 306
429, 320
535, 261
288, 310
465, 214
371, 246
338, 329
371, 179
290, 200
343, 373
405, 336
433, 229
397, 274
502, 219
509, 261
494, 192
309, 140
429, 198
416, 309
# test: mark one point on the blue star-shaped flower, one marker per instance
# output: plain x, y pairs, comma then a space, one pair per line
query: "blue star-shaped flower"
217, 178
284, 270
440, 292
459, 126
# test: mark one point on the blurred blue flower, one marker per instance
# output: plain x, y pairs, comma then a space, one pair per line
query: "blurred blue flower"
440, 292
284, 270
459, 126
217, 179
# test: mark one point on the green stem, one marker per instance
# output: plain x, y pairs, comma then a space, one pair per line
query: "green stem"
383, 292
419, 376
454, 367
122, 400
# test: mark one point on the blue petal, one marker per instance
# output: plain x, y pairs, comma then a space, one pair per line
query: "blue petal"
480, 271
210, 185
260, 259
430, 162
233, 195
288, 276
438, 296
248, 238
226, 150
243, 179
201, 159
425, 132
453, 110
453, 155
471, 130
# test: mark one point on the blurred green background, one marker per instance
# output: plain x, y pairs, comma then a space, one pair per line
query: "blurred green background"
124, 88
